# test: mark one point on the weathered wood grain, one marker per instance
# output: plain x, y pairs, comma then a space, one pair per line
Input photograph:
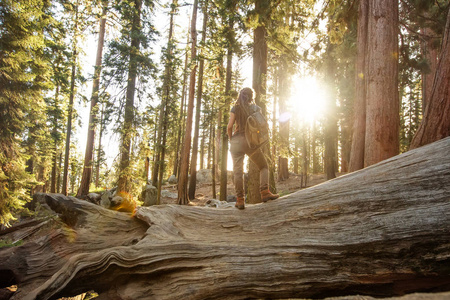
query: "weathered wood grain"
381, 231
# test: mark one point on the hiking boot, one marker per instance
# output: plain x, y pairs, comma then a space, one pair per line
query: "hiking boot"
240, 203
266, 195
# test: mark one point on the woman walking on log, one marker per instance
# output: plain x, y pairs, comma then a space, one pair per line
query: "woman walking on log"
239, 147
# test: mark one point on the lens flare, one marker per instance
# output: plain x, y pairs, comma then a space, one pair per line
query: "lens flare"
308, 99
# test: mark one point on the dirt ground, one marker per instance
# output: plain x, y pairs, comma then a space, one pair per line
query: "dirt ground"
204, 191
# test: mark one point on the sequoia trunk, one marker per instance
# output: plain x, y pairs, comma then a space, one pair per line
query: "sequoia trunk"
259, 86
359, 125
435, 124
382, 97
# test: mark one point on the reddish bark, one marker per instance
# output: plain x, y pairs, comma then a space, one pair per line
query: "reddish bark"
184, 167
382, 98
359, 125
88, 163
435, 124
431, 54
259, 86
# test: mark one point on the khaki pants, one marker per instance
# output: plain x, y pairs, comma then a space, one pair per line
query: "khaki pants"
238, 149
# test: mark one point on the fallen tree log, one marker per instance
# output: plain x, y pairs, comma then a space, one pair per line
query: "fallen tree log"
381, 231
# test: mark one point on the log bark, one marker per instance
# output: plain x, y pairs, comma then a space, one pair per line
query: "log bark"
380, 231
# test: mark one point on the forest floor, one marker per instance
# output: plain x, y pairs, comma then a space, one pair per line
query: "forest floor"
204, 190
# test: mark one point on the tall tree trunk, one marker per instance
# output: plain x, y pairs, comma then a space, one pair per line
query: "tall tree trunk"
58, 183
274, 110
69, 122
41, 177
162, 163
219, 93
218, 140
305, 162
331, 131
382, 113
226, 113
159, 146
359, 115
193, 167
431, 53
99, 147
155, 145
210, 140
183, 198
88, 161
70, 108
330, 149
345, 141
213, 160
259, 86
54, 168
202, 146
164, 111
30, 145
55, 154
182, 115
296, 158
30, 163
284, 120
124, 171
315, 161
147, 161
435, 124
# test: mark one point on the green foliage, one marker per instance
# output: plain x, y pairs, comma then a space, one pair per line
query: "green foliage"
422, 22
410, 85
286, 27
14, 186
418, 14
128, 56
117, 57
23, 77
169, 92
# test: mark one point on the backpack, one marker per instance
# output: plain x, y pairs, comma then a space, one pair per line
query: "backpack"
256, 128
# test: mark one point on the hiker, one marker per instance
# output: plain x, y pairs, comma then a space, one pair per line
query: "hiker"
240, 146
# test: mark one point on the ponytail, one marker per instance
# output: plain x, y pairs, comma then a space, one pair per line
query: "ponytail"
245, 97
